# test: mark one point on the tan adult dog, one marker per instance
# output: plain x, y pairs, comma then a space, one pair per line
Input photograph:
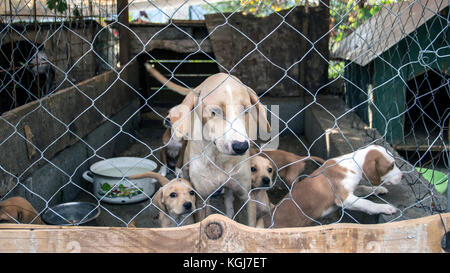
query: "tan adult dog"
214, 119
288, 165
332, 186
19, 210
176, 200
262, 175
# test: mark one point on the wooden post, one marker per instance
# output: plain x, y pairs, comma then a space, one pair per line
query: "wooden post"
122, 11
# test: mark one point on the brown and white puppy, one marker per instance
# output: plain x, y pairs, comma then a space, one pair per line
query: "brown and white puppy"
19, 210
289, 166
262, 175
175, 199
333, 184
214, 119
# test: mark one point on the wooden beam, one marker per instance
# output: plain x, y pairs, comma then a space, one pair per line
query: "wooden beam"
179, 23
124, 37
35, 121
421, 148
220, 234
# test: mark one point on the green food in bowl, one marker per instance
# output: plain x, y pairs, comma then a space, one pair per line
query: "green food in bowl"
436, 178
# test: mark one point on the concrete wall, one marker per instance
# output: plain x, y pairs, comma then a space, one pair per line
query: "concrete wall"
69, 131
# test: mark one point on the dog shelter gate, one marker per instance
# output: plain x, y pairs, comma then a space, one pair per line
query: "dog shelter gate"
74, 91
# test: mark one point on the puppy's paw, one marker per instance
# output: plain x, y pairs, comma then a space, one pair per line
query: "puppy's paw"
381, 190
387, 209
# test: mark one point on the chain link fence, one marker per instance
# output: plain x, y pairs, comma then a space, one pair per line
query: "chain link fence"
333, 76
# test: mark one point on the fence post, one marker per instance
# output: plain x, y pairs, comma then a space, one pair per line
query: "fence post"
122, 11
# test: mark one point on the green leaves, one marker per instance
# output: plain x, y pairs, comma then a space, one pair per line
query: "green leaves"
59, 5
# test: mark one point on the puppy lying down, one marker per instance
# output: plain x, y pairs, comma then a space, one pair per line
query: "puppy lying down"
333, 184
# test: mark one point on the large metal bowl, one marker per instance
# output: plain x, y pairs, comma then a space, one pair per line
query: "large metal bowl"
109, 183
71, 214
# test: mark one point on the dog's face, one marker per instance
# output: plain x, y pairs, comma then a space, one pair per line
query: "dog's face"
177, 197
262, 172
379, 166
227, 110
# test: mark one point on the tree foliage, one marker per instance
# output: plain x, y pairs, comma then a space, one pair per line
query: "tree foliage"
58, 5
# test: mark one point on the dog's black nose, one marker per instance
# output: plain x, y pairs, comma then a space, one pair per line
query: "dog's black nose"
187, 205
239, 147
266, 181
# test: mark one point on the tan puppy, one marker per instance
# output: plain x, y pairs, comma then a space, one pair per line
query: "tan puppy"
175, 199
332, 186
214, 119
19, 210
262, 174
288, 165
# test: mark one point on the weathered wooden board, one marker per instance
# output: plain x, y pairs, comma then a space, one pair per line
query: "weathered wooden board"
45, 239
220, 234
262, 51
60, 120
179, 36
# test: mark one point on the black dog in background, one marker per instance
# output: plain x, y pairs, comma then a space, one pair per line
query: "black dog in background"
25, 74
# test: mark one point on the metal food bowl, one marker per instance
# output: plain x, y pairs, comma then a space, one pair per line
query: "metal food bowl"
71, 214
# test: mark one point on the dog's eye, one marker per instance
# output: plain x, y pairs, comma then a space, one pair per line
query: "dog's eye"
215, 111
269, 170
173, 194
191, 192
253, 169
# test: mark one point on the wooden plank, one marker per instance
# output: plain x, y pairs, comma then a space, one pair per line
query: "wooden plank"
220, 234
184, 23
124, 35
242, 41
47, 118
417, 235
51, 239
180, 46
422, 148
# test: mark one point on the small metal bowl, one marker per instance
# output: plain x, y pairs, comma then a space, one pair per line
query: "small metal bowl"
71, 214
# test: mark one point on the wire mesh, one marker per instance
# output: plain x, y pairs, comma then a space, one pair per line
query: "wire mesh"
334, 77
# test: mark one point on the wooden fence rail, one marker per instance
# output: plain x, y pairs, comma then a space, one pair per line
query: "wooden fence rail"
220, 234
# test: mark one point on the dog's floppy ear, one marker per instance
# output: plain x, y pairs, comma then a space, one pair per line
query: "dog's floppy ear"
261, 113
180, 116
370, 172
158, 199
